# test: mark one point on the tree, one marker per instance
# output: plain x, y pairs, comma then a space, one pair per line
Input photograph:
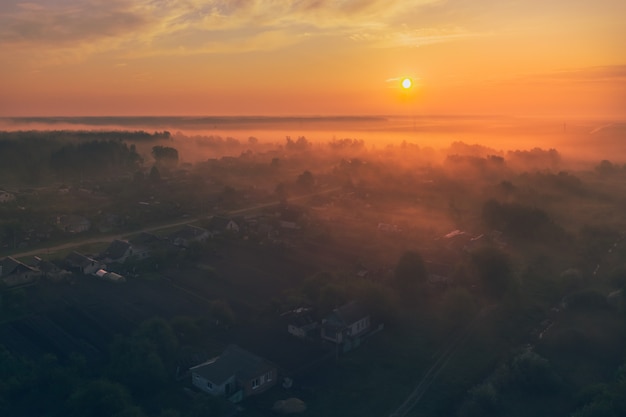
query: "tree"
165, 156
459, 306
99, 398
482, 401
299, 145
606, 167
306, 181
136, 363
533, 373
410, 275
222, 312
494, 270
160, 333
155, 175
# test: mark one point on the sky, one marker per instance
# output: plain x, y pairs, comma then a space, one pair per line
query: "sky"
312, 57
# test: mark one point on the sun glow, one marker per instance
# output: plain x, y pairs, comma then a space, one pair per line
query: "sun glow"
407, 83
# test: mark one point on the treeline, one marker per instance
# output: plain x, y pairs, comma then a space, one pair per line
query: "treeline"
83, 135
33, 157
93, 159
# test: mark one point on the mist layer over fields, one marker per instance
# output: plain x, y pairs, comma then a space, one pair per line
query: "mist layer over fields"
579, 140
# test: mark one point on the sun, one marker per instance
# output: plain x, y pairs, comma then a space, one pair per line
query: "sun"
407, 83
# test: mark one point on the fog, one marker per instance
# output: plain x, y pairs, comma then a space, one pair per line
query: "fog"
578, 140
489, 252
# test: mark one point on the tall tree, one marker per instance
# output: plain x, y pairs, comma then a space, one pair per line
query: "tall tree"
410, 275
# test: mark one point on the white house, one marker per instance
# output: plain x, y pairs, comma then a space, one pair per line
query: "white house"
235, 374
346, 324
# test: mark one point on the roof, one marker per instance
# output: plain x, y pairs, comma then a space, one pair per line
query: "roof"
300, 317
350, 313
10, 265
117, 249
234, 361
188, 232
78, 259
144, 239
218, 223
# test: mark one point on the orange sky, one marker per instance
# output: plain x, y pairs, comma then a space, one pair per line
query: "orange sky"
303, 57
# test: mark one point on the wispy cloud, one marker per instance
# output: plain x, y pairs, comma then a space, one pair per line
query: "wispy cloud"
408, 37
174, 27
596, 74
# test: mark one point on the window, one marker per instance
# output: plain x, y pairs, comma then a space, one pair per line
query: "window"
255, 383
209, 385
268, 376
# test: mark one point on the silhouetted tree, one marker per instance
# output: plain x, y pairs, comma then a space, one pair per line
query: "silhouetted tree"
306, 181
165, 156
299, 145
99, 398
155, 175
410, 275
494, 269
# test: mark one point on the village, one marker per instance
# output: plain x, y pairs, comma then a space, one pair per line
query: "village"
267, 283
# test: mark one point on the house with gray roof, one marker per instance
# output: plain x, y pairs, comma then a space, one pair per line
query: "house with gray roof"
14, 272
346, 325
235, 374
188, 235
300, 322
219, 225
117, 251
145, 243
77, 262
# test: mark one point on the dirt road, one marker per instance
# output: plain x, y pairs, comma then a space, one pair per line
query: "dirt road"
110, 237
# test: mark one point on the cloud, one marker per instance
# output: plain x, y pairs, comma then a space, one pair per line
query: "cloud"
596, 74
408, 37
31, 23
77, 28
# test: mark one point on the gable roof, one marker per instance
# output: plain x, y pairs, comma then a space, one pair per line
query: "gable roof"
144, 239
234, 361
188, 232
117, 249
10, 265
78, 259
350, 313
300, 317
219, 223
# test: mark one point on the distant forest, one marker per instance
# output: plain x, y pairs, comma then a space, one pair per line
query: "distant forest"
38, 157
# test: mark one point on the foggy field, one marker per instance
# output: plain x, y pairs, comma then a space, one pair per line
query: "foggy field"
487, 267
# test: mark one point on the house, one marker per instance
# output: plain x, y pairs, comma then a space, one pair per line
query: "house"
235, 374
188, 235
6, 196
51, 271
118, 251
14, 272
346, 325
144, 244
300, 322
218, 225
73, 224
290, 217
82, 264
